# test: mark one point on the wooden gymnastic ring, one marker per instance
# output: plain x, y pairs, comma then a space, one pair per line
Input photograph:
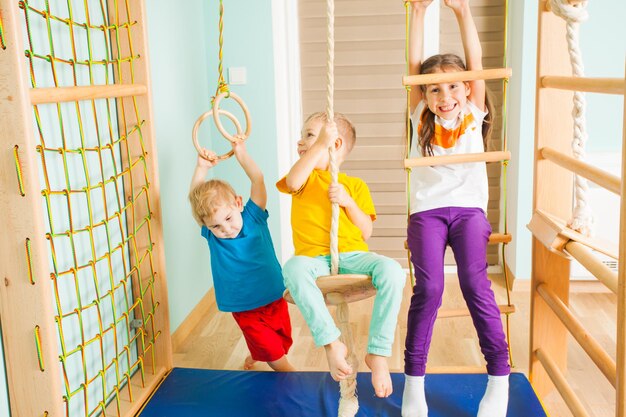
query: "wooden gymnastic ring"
196, 126
218, 123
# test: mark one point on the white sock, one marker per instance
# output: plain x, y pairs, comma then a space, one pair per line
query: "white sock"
496, 398
414, 397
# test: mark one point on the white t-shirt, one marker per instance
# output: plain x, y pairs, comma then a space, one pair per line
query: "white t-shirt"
455, 185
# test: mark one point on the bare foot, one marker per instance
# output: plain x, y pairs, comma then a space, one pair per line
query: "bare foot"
336, 353
282, 365
248, 363
381, 379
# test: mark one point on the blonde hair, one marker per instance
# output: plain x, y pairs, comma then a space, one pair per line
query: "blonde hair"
344, 126
208, 197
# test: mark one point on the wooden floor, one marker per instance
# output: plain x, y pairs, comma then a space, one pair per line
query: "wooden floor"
217, 343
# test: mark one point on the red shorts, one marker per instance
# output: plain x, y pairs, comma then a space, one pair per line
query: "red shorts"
267, 330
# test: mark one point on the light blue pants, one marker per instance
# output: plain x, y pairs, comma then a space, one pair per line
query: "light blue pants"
301, 272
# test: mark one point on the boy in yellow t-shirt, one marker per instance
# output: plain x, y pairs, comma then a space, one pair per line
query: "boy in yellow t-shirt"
309, 183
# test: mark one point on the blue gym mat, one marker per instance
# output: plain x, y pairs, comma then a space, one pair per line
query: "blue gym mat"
206, 393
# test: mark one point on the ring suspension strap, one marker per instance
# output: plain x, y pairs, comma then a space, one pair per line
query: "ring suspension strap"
221, 93
222, 86
582, 217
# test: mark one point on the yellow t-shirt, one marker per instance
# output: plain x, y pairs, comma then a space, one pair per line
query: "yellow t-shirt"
311, 214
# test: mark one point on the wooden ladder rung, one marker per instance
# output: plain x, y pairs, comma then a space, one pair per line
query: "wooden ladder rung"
51, 95
463, 312
594, 174
494, 239
584, 84
450, 77
427, 161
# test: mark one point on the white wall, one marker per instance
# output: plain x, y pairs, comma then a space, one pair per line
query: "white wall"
522, 57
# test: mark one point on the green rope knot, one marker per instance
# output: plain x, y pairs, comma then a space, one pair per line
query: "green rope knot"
18, 170
29, 259
2, 42
39, 350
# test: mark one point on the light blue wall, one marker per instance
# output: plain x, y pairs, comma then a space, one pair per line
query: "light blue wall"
604, 112
184, 63
603, 49
248, 44
177, 38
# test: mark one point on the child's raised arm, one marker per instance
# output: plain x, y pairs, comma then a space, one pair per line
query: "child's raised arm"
416, 46
300, 171
471, 46
258, 193
206, 160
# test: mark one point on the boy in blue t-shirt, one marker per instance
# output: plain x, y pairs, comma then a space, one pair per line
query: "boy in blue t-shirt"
247, 277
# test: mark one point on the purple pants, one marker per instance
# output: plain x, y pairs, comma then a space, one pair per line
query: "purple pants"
467, 232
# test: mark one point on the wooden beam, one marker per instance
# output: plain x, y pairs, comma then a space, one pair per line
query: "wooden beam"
584, 84
450, 77
549, 231
587, 259
552, 193
599, 356
620, 393
585, 170
88, 92
426, 161
554, 234
25, 305
569, 396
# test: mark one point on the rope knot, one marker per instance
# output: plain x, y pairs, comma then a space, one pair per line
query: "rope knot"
568, 12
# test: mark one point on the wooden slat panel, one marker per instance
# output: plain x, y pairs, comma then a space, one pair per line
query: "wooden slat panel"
313, 32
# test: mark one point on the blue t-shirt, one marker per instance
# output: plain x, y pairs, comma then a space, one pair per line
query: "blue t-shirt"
246, 272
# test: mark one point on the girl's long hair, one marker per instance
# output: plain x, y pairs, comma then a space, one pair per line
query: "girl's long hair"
445, 63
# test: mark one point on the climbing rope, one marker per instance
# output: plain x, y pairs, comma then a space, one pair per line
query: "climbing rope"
582, 217
330, 114
348, 403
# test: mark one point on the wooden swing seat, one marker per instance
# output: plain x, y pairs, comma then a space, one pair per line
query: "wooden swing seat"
342, 288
